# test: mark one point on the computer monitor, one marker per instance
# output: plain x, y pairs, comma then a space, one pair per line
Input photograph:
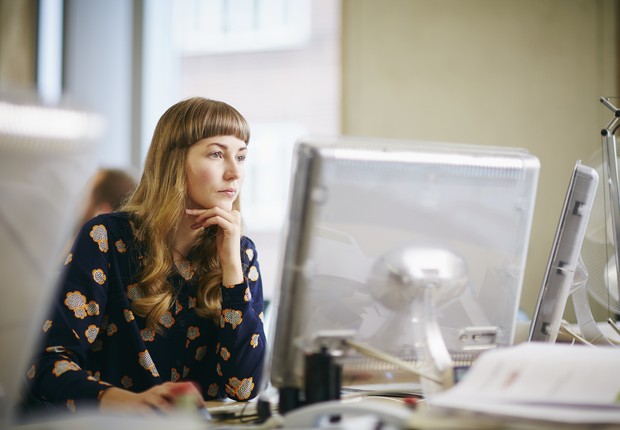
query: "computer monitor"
355, 200
564, 256
46, 158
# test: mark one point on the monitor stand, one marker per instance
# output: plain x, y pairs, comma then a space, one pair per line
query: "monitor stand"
588, 327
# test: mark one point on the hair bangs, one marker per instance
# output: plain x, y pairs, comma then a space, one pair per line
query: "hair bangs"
221, 119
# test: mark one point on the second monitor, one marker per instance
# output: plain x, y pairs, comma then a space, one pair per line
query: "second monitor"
564, 256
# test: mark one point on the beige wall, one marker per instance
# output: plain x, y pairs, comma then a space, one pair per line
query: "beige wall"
523, 73
17, 45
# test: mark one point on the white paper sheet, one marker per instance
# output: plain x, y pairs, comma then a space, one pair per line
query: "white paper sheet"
562, 383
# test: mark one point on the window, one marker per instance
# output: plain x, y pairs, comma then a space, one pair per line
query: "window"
224, 26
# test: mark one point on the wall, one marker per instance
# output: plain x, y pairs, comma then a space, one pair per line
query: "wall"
17, 46
522, 73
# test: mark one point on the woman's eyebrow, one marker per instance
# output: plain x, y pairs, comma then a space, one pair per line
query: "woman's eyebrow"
223, 146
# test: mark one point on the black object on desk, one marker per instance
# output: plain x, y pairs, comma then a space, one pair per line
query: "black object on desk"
323, 377
322, 382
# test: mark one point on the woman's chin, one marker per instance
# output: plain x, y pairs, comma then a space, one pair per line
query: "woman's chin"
225, 206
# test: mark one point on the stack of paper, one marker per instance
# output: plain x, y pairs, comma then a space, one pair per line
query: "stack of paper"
541, 381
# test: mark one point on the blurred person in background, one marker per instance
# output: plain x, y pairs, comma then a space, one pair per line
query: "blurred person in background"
109, 189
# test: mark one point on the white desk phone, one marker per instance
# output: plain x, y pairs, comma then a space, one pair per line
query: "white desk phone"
389, 412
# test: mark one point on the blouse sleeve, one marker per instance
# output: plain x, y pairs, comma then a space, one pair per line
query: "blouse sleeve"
57, 376
241, 351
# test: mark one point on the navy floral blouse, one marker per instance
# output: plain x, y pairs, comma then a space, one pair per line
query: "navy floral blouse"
93, 340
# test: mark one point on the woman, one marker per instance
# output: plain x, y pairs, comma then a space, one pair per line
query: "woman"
167, 289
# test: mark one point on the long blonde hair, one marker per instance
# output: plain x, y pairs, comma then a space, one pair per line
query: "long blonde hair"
158, 205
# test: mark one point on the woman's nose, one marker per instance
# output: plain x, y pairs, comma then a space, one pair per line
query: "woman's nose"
232, 169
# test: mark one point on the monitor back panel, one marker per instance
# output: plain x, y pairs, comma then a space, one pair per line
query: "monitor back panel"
355, 200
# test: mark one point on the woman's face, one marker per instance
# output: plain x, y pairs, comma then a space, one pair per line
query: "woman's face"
215, 172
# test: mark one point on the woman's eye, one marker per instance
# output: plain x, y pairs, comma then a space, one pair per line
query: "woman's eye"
240, 158
216, 154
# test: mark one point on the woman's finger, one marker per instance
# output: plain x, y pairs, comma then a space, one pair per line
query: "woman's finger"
219, 217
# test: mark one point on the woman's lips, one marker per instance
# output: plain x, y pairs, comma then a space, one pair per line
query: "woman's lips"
229, 192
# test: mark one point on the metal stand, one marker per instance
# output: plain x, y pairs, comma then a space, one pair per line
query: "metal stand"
610, 166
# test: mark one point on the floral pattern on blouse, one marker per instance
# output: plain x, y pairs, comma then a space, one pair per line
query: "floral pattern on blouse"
92, 340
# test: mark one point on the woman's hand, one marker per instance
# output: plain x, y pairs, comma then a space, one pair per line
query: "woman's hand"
228, 239
161, 398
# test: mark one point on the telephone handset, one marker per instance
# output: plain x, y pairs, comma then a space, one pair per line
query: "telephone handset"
318, 415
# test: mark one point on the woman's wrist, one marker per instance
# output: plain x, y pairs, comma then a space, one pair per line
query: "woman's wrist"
232, 274
232, 279
114, 398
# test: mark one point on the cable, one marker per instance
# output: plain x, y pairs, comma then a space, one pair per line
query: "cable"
380, 355
564, 329
613, 325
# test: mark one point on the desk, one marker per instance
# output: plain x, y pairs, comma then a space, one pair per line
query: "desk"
532, 385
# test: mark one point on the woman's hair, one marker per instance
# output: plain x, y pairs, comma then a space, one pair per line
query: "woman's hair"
159, 201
